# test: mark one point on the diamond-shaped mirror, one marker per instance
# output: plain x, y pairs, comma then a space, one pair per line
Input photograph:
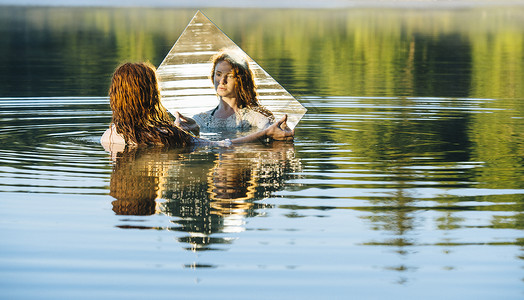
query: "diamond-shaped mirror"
185, 82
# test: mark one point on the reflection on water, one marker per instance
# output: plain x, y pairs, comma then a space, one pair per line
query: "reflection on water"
352, 52
402, 189
209, 193
44, 136
404, 181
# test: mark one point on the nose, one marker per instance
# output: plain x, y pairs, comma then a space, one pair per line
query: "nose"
223, 80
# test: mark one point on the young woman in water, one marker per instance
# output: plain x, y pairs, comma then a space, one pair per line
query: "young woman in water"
139, 118
238, 105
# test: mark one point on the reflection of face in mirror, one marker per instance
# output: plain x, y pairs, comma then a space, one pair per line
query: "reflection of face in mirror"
185, 87
238, 104
225, 81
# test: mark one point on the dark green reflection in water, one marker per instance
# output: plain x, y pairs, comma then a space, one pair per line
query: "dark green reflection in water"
74, 51
356, 52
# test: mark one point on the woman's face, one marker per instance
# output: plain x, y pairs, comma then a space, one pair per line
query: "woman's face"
225, 80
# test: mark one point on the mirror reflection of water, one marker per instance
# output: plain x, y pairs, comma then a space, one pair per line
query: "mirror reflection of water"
405, 179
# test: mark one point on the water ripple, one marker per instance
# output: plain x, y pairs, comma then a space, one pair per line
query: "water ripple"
50, 145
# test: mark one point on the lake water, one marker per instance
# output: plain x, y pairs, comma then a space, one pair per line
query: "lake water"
405, 180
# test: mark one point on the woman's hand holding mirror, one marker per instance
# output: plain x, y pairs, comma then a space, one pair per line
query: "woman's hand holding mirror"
186, 123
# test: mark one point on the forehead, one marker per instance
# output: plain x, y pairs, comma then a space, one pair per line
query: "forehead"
223, 67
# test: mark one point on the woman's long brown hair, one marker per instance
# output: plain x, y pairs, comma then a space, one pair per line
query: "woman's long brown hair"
138, 114
246, 88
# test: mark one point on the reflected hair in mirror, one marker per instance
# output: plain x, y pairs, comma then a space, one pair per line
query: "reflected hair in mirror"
245, 83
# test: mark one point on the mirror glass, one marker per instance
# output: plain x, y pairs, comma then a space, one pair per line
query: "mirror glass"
185, 80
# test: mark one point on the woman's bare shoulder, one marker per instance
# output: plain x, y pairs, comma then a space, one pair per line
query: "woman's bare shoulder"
112, 141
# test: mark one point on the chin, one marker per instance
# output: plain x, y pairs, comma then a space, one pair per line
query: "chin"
224, 94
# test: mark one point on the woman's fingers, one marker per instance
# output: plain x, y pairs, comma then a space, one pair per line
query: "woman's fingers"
282, 121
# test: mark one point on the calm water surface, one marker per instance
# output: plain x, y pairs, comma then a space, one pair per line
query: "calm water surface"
406, 178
